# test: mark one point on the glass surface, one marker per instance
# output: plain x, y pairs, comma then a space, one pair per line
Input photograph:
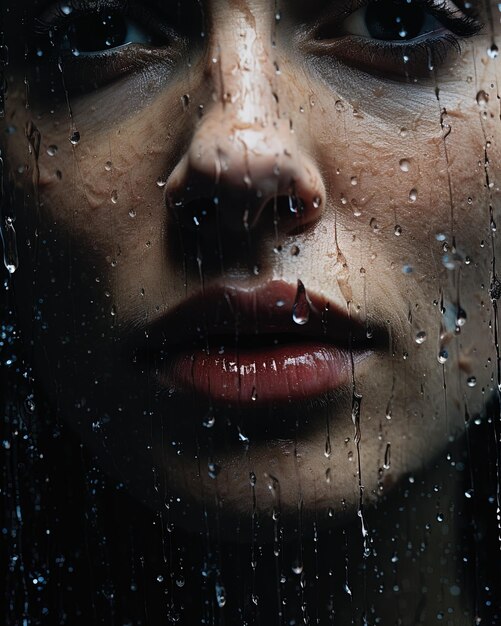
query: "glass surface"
249, 355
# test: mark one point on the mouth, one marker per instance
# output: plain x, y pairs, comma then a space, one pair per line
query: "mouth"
274, 344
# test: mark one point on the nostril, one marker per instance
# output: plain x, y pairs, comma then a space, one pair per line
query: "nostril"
246, 193
290, 212
196, 213
285, 212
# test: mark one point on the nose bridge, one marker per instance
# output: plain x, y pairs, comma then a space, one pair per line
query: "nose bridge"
243, 70
241, 130
243, 151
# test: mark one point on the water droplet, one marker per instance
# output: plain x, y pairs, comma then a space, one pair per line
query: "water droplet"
317, 202
213, 469
374, 225
132, 213
471, 381
398, 230
440, 517
301, 308
75, 137
328, 447
114, 196
52, 150
355, 416
180, 581
252, 479
404, 165
443, 355
482, 98
30, 404
413, 195
160, 578
493, 51
108, 165
297, 567
220, 594
455, 590
9, 238
295, 250
461, 317
296, 205
161, 181
420, 337
387, 457
209, 420
452, 260
242, 438
254, 394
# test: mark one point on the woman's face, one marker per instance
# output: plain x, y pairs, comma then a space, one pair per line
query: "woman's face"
256, 236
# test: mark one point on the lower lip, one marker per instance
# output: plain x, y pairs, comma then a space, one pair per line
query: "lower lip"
249, 377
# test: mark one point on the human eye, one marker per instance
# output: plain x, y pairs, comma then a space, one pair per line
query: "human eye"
97, 41
400, 38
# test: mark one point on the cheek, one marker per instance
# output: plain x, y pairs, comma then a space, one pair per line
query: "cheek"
401, 198
106, 191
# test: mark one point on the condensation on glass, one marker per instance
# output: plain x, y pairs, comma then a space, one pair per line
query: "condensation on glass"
249, 350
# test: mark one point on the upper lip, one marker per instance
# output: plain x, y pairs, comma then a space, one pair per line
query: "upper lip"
223, 314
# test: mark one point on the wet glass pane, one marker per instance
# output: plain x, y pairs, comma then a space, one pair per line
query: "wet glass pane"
249, 344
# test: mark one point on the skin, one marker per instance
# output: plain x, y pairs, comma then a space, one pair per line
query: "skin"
101, 243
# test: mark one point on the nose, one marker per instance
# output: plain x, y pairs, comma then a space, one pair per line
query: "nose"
244, 154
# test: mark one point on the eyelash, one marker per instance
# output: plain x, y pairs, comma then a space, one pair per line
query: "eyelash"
423, 53
57, 18
429, 48
454, 18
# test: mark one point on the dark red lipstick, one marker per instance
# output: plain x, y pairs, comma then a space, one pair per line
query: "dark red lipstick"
275, 343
